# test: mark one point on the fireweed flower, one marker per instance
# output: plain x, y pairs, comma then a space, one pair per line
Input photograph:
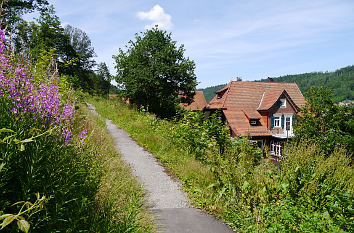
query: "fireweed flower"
82, 139
29, 99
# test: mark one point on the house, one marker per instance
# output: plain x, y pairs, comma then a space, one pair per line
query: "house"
198, 103
264, 111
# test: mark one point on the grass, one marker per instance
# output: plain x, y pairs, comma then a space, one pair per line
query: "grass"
119, 204
307, 193
152, 134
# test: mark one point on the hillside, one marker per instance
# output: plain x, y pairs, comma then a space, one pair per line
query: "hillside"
340, 82
209, 92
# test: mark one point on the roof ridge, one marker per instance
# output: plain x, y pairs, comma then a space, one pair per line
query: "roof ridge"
227, 92
260, 102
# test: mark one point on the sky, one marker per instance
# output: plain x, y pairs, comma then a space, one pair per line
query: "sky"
252, 39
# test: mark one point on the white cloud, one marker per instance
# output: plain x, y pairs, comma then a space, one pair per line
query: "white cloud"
158, 16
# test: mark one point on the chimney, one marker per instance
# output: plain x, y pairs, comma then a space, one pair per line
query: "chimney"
270, 79
238, 79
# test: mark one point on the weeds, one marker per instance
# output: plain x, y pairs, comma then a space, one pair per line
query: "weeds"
45, 150
309, 192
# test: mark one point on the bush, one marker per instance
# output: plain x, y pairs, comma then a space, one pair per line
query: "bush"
307, 193
37, 152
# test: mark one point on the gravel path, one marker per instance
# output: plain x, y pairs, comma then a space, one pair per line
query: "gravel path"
165, 196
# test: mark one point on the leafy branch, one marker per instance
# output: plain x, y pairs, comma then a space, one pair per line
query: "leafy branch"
27, 208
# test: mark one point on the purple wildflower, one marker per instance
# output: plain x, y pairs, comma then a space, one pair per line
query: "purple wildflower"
33, 100
82, 139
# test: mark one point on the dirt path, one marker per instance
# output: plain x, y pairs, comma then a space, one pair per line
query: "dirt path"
165, 196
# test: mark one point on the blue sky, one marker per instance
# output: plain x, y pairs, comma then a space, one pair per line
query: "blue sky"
252, 39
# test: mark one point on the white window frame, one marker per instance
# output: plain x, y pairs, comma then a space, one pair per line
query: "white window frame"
282, 102
291, 123
278, 117
275, 148
272, 148
278, 149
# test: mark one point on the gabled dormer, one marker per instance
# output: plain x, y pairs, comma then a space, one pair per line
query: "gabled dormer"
281, 110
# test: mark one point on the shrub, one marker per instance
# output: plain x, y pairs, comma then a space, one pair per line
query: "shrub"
37, 155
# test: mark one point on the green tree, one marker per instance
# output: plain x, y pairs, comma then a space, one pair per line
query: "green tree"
322, 122
81, 43
12, 10
153, 71
101, 79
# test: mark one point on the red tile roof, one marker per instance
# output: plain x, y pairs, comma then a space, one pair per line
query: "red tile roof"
198, 103
241, 100
268, 99
240, 125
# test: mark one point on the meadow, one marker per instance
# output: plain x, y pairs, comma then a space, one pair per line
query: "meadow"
308, 192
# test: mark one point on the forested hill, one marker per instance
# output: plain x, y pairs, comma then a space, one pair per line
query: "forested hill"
209, 92
340, 82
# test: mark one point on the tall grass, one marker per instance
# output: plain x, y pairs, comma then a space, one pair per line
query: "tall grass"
54, 172
308, 192
153, 134
120, 200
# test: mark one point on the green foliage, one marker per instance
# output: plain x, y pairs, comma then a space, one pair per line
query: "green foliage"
308, 192
198, 133
153, 71
69, 47
322, 122
340, 82
27, 209
120, 200
81, 44
101, 80
210, 92
14, 9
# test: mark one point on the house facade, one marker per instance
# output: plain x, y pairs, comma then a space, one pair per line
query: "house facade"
263, 111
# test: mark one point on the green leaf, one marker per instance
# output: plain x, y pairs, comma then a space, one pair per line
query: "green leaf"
245, 185
22, 147
8, 220
5, 216
4, 130
23, 225
27, 140
2, 166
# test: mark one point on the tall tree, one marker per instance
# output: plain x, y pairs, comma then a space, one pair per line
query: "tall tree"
12, 10
81, 43
324, 123
153, 71
102, 79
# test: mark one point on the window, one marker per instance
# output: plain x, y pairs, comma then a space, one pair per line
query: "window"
276, 121
288, 123
272, 148
253, 122
275, 148
282, 103
278, 149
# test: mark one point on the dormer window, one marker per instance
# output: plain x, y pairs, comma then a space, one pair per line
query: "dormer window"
282, 103
219, 96
254, 122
